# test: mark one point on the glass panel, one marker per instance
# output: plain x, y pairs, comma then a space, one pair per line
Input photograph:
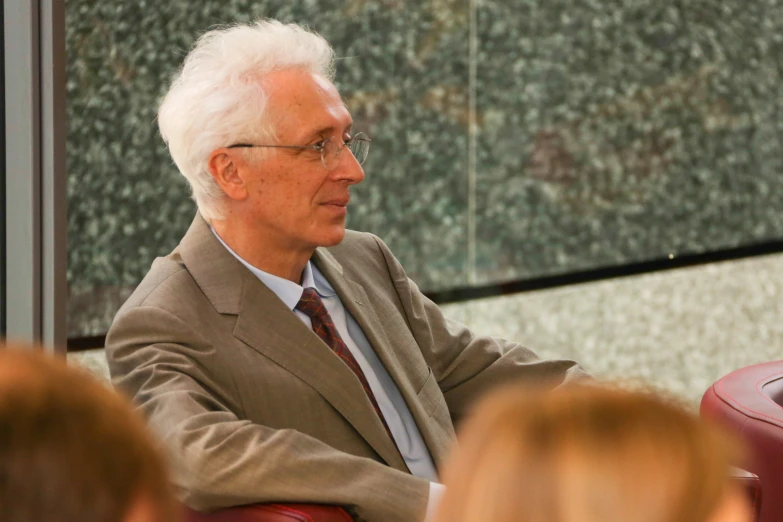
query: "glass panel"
625, 130
608, 132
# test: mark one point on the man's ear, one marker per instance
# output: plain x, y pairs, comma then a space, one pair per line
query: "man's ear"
225, 168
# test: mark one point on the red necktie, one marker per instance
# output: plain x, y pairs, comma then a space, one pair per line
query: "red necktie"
312, 306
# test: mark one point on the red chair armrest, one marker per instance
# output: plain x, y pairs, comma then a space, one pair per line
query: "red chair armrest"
272, 513
749, 403
751, 485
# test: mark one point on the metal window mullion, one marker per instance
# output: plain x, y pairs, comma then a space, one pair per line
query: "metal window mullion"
23, 180
472, 141
3, 301
53, 175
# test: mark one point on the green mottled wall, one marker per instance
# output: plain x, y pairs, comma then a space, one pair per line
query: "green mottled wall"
603, 132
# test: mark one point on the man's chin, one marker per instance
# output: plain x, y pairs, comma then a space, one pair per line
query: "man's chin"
334, 237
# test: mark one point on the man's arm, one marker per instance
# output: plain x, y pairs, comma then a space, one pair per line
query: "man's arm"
467, 365
219, 460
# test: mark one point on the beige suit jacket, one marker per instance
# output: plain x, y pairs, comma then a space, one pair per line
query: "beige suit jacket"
252, 406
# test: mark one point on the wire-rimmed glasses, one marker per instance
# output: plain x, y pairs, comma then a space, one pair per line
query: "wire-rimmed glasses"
330, 148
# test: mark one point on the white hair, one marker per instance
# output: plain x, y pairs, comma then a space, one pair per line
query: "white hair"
217, 98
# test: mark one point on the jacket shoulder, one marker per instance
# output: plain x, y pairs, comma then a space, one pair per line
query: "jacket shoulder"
167, 275
357, 247
358, 239
363, 256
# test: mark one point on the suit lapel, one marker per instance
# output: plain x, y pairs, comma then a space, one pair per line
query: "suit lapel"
267, 325
355, 300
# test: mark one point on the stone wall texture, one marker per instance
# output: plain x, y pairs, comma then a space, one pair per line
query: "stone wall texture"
511, 139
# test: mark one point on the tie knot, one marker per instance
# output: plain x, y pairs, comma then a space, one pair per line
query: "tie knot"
311, 303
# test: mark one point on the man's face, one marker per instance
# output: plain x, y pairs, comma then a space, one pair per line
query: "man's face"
293, 200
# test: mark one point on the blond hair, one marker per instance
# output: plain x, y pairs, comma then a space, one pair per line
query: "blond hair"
585, 455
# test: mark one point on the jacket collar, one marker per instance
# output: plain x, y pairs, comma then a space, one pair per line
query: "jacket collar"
219, 274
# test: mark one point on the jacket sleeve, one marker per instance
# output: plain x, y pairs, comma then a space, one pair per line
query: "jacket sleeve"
219, 460
467, 365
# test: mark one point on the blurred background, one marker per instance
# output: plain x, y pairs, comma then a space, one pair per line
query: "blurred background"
597, 179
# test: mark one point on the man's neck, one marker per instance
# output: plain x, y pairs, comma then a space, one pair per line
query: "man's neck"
263, 252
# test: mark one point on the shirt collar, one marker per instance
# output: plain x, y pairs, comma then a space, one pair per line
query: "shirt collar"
288, 291
321, 285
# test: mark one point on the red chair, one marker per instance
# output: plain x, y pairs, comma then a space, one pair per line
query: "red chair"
751, 485
272, 513
749, 402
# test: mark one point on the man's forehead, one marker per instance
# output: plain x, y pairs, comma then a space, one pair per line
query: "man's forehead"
299, 86
325, 87
304, 100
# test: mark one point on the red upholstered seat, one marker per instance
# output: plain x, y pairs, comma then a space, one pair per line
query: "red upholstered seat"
749, 402
272, 513
750, 483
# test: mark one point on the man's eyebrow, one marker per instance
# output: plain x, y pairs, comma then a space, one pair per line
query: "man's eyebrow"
327, 130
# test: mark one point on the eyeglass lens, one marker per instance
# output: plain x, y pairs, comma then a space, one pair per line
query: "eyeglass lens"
359, 147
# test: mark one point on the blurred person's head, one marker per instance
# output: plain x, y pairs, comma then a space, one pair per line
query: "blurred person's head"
589, 455
72, 450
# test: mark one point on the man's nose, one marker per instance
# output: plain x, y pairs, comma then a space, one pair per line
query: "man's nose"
348, 168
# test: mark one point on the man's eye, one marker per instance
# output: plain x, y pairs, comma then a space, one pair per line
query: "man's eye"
318, 146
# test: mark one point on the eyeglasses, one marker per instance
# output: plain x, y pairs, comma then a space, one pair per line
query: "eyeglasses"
330, 149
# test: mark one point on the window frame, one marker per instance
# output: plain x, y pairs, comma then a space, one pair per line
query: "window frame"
35, 292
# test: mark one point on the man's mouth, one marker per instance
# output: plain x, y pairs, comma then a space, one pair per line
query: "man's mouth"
337, 202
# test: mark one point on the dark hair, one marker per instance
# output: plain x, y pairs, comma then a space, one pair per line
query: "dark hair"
72, 450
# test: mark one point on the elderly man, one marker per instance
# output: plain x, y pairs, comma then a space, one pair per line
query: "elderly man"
279, 356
